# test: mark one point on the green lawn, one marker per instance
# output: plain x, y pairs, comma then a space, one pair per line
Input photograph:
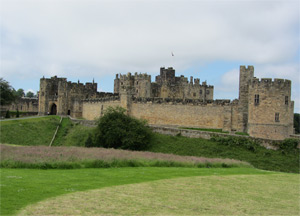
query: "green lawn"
23, 187
32, 131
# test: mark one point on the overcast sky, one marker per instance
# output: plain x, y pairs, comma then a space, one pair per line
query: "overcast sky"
96, 39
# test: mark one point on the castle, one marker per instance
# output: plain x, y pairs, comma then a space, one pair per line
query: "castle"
264, 108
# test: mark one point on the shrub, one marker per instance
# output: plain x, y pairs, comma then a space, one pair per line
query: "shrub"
89, 141
118, 130
288, 144
17, 114
236, 142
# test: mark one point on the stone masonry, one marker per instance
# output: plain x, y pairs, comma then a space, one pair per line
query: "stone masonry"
264, 108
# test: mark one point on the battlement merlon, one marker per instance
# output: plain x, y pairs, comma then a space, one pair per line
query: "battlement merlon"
269, 82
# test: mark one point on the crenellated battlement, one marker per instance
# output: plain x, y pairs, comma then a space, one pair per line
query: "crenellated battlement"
155, 100
102, 99
136, 76
264, 108
270, 83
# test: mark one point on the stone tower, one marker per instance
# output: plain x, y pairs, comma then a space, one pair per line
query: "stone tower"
57, 96
246, 75
270, 109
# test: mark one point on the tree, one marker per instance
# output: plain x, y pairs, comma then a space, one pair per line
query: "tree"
118, 130
20, 93
30, 94
7, 93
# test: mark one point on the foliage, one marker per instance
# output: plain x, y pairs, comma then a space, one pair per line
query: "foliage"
232, 141
22, 187
20, 93
17, 114
256, 155
118, 130
297, 122
30, 94
7, 93
289, 144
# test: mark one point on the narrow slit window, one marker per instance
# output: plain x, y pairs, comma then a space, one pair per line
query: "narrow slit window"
286, 100
256, 99
276, 117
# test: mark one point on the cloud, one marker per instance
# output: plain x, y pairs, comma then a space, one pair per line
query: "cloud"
101, 38
30, 90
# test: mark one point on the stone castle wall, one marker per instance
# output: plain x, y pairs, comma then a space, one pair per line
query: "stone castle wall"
166, 85
23, 104
270, 108
175, 101
94, 108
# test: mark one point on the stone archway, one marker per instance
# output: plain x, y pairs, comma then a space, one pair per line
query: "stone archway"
53, 109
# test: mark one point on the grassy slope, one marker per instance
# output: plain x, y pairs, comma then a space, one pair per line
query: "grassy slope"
211, 195
70, 134
29, 132
35, 131
262, 158
21, 187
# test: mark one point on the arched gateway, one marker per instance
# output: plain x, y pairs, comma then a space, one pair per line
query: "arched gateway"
53, 109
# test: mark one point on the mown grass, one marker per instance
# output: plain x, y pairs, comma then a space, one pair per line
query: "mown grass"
33, 131
259, 157
22, 187
275, 194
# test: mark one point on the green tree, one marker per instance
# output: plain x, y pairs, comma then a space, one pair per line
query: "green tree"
297, 123
7, 93
118, 130
30, 94
20, 93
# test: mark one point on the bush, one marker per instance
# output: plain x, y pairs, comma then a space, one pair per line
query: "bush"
120, 131
288, 144
236, 142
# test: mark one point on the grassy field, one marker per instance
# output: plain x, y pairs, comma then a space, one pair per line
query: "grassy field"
23, 187
205, 195
32, 131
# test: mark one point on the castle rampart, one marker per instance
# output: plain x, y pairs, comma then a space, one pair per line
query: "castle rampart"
264, 108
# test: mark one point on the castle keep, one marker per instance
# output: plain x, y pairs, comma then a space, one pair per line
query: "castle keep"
264, 108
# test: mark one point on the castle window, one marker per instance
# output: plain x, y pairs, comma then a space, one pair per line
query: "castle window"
137, 91
201, 92
256, 99
121, 83
42, 93
276, 117
286, 101
137, 82
207, 92
194, 94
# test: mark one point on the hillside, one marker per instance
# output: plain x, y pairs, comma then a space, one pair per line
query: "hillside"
29, 132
